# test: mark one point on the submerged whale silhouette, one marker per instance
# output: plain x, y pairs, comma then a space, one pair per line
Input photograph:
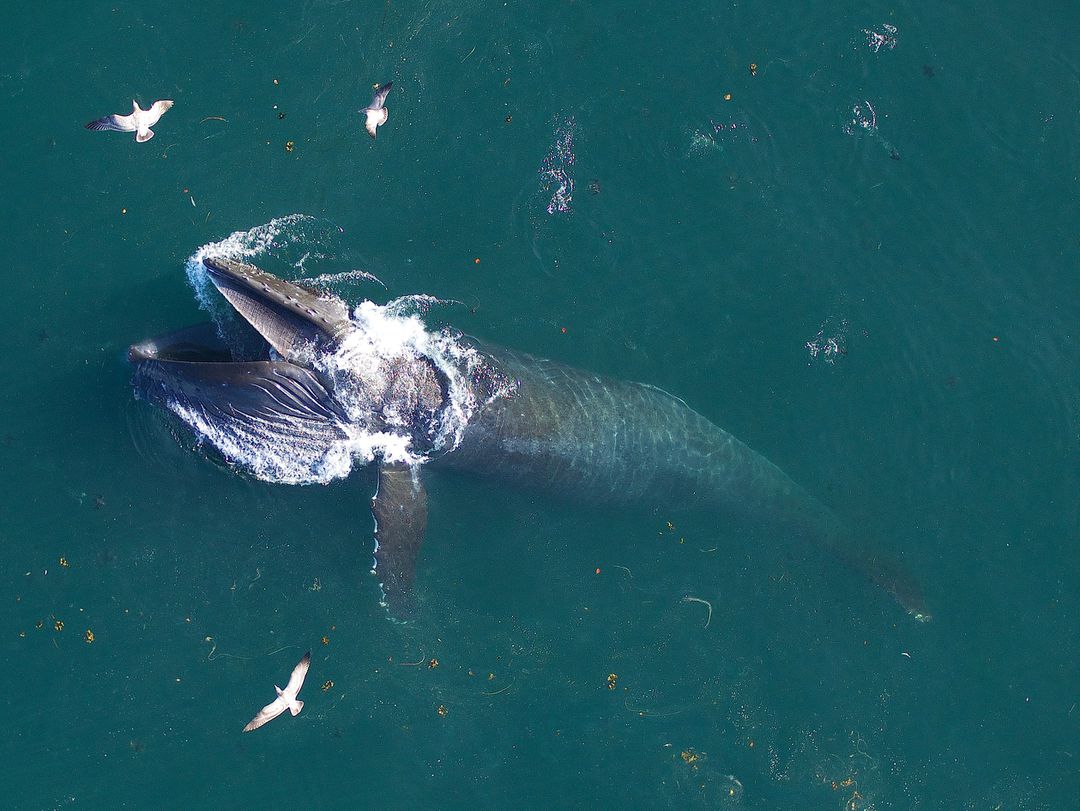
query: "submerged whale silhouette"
328, 386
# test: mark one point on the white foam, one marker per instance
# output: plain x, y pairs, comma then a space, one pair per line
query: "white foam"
383, 340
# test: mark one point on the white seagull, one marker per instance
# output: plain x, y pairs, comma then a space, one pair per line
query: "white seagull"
286, 698
375, 113
140, 121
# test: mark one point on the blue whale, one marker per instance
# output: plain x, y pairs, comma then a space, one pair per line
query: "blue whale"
316, 385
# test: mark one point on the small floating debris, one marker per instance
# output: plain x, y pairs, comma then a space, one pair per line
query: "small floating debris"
706, 603
690, 757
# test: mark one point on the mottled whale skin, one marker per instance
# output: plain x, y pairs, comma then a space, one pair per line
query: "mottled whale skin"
546, 426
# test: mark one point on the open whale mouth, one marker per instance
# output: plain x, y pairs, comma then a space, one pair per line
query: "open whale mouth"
193, 368
304, 388
292, 326
258, 399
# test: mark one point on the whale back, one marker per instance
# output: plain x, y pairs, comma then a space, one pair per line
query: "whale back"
589, 437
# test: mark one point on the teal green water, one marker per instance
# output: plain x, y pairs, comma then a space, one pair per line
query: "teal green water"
703, 260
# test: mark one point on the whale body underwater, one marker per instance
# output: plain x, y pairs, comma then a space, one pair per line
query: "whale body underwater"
322, 386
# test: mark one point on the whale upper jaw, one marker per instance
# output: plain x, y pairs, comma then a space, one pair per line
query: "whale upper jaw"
292, 319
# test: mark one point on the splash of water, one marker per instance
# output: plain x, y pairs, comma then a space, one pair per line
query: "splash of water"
864, 117
390, 337
329, 280
885, 38
557, 169
830, 343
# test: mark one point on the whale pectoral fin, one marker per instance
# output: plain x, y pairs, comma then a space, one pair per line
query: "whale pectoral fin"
400, 510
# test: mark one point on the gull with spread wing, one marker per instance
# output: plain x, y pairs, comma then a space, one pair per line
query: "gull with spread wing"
140, 121
375, 114
286, 698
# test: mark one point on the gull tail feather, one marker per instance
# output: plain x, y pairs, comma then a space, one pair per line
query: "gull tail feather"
295, 708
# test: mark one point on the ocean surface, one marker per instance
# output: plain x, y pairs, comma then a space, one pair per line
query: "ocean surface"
848, 234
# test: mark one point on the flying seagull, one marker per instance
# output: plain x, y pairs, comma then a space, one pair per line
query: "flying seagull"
376, 114
140, 121
286, 698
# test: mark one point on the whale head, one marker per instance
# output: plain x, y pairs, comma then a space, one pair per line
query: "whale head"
290, 403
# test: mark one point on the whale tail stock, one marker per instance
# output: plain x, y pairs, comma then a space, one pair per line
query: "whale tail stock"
865, 557
886, 572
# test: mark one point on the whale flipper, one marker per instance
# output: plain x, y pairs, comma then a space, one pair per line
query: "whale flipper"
400, 510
